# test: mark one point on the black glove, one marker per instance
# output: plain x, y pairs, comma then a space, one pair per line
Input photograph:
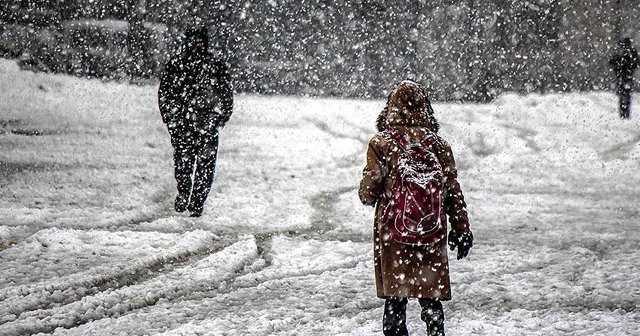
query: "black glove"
463, 242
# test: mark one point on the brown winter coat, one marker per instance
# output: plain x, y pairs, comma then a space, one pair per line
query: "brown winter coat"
402, 270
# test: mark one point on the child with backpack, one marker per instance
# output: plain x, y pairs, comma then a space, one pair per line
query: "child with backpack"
411, 179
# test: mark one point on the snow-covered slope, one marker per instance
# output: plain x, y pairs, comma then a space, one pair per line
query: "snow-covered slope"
89, 244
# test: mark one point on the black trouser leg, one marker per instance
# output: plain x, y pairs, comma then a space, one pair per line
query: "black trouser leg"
394, 320
184, 159
433, 315
625, 104
205, 171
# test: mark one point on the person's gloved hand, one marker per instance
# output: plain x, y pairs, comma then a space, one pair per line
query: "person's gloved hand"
463, 242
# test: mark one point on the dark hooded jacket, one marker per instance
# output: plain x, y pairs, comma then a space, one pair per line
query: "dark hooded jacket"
195, 92
625, 62
404, 270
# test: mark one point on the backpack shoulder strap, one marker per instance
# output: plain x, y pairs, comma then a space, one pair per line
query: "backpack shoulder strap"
396, 137
429, 140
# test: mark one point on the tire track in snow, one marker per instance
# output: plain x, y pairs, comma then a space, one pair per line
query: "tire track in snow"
620, 150
194, 313
321, 222
291, 324
127, 221
38, 298
273, 283
17, 300
203, 275
323, 203
245, 281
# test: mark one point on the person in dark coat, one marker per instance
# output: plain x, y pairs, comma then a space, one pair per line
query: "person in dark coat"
408, 271
196, 100
624, 63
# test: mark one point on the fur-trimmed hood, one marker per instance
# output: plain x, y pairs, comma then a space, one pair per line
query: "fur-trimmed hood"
407, 105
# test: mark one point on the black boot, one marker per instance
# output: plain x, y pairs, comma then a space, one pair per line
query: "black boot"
394, 319
433, 315
195, 212
181, 203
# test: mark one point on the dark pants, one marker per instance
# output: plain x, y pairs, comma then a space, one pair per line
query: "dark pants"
194, 158
625, 103
394, 319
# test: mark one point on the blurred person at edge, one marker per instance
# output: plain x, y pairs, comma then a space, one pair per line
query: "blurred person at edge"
624, 63
405, 271
196, 100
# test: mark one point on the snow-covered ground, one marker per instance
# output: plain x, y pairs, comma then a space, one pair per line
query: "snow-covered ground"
89, 244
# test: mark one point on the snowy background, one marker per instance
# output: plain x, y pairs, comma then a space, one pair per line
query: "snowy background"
89, 244
472, 50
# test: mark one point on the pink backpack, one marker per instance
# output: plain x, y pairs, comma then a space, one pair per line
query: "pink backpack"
413, 211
